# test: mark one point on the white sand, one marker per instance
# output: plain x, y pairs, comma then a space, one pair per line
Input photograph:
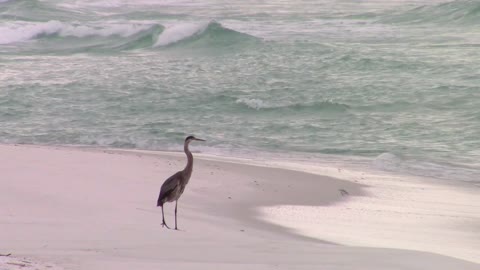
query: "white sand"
12, 262
94, 209
400, 212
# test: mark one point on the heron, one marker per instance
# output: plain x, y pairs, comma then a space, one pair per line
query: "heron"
174, 186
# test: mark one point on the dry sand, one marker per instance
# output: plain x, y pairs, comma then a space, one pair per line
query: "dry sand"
70, 208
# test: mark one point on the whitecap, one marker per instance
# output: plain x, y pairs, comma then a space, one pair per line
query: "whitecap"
181, 31
253, 103
20, 32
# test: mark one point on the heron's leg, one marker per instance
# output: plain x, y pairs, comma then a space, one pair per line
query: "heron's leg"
176, 203
163, 220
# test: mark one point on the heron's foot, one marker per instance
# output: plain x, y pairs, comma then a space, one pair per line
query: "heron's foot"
165, 225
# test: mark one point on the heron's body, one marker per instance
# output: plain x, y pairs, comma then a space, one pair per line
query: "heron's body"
174, 186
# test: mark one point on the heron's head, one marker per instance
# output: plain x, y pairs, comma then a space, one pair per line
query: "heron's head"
192, 138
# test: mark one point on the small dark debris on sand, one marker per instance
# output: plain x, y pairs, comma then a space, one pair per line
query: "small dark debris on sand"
17, 264
343, 192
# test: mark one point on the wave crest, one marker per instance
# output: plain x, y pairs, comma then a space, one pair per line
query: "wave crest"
21, 32
258, 104
202, 34
178, 32
120, 36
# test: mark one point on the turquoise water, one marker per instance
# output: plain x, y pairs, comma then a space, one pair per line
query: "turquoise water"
375, 79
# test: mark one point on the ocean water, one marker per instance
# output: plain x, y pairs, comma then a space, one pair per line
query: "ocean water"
395, 83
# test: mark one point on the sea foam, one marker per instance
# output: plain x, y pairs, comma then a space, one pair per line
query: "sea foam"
20, 32
177, 32
253, 103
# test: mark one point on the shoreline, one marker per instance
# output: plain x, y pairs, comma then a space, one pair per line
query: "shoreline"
222, 191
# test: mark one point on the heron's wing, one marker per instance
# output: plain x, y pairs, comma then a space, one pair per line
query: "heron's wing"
169, 186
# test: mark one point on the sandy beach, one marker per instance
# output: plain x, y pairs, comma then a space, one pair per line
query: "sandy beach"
75, 208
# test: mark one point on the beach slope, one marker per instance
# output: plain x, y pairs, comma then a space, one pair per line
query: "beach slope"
71, 208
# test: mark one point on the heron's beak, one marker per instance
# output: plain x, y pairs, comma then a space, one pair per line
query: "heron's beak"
199, 140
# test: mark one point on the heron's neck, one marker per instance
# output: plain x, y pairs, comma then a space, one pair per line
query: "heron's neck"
189, 166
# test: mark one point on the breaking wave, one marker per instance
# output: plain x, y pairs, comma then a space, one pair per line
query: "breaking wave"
201, 34
260, 105
119, 36
179, 32
21, 32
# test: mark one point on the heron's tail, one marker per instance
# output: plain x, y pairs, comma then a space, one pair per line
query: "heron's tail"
159, 202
